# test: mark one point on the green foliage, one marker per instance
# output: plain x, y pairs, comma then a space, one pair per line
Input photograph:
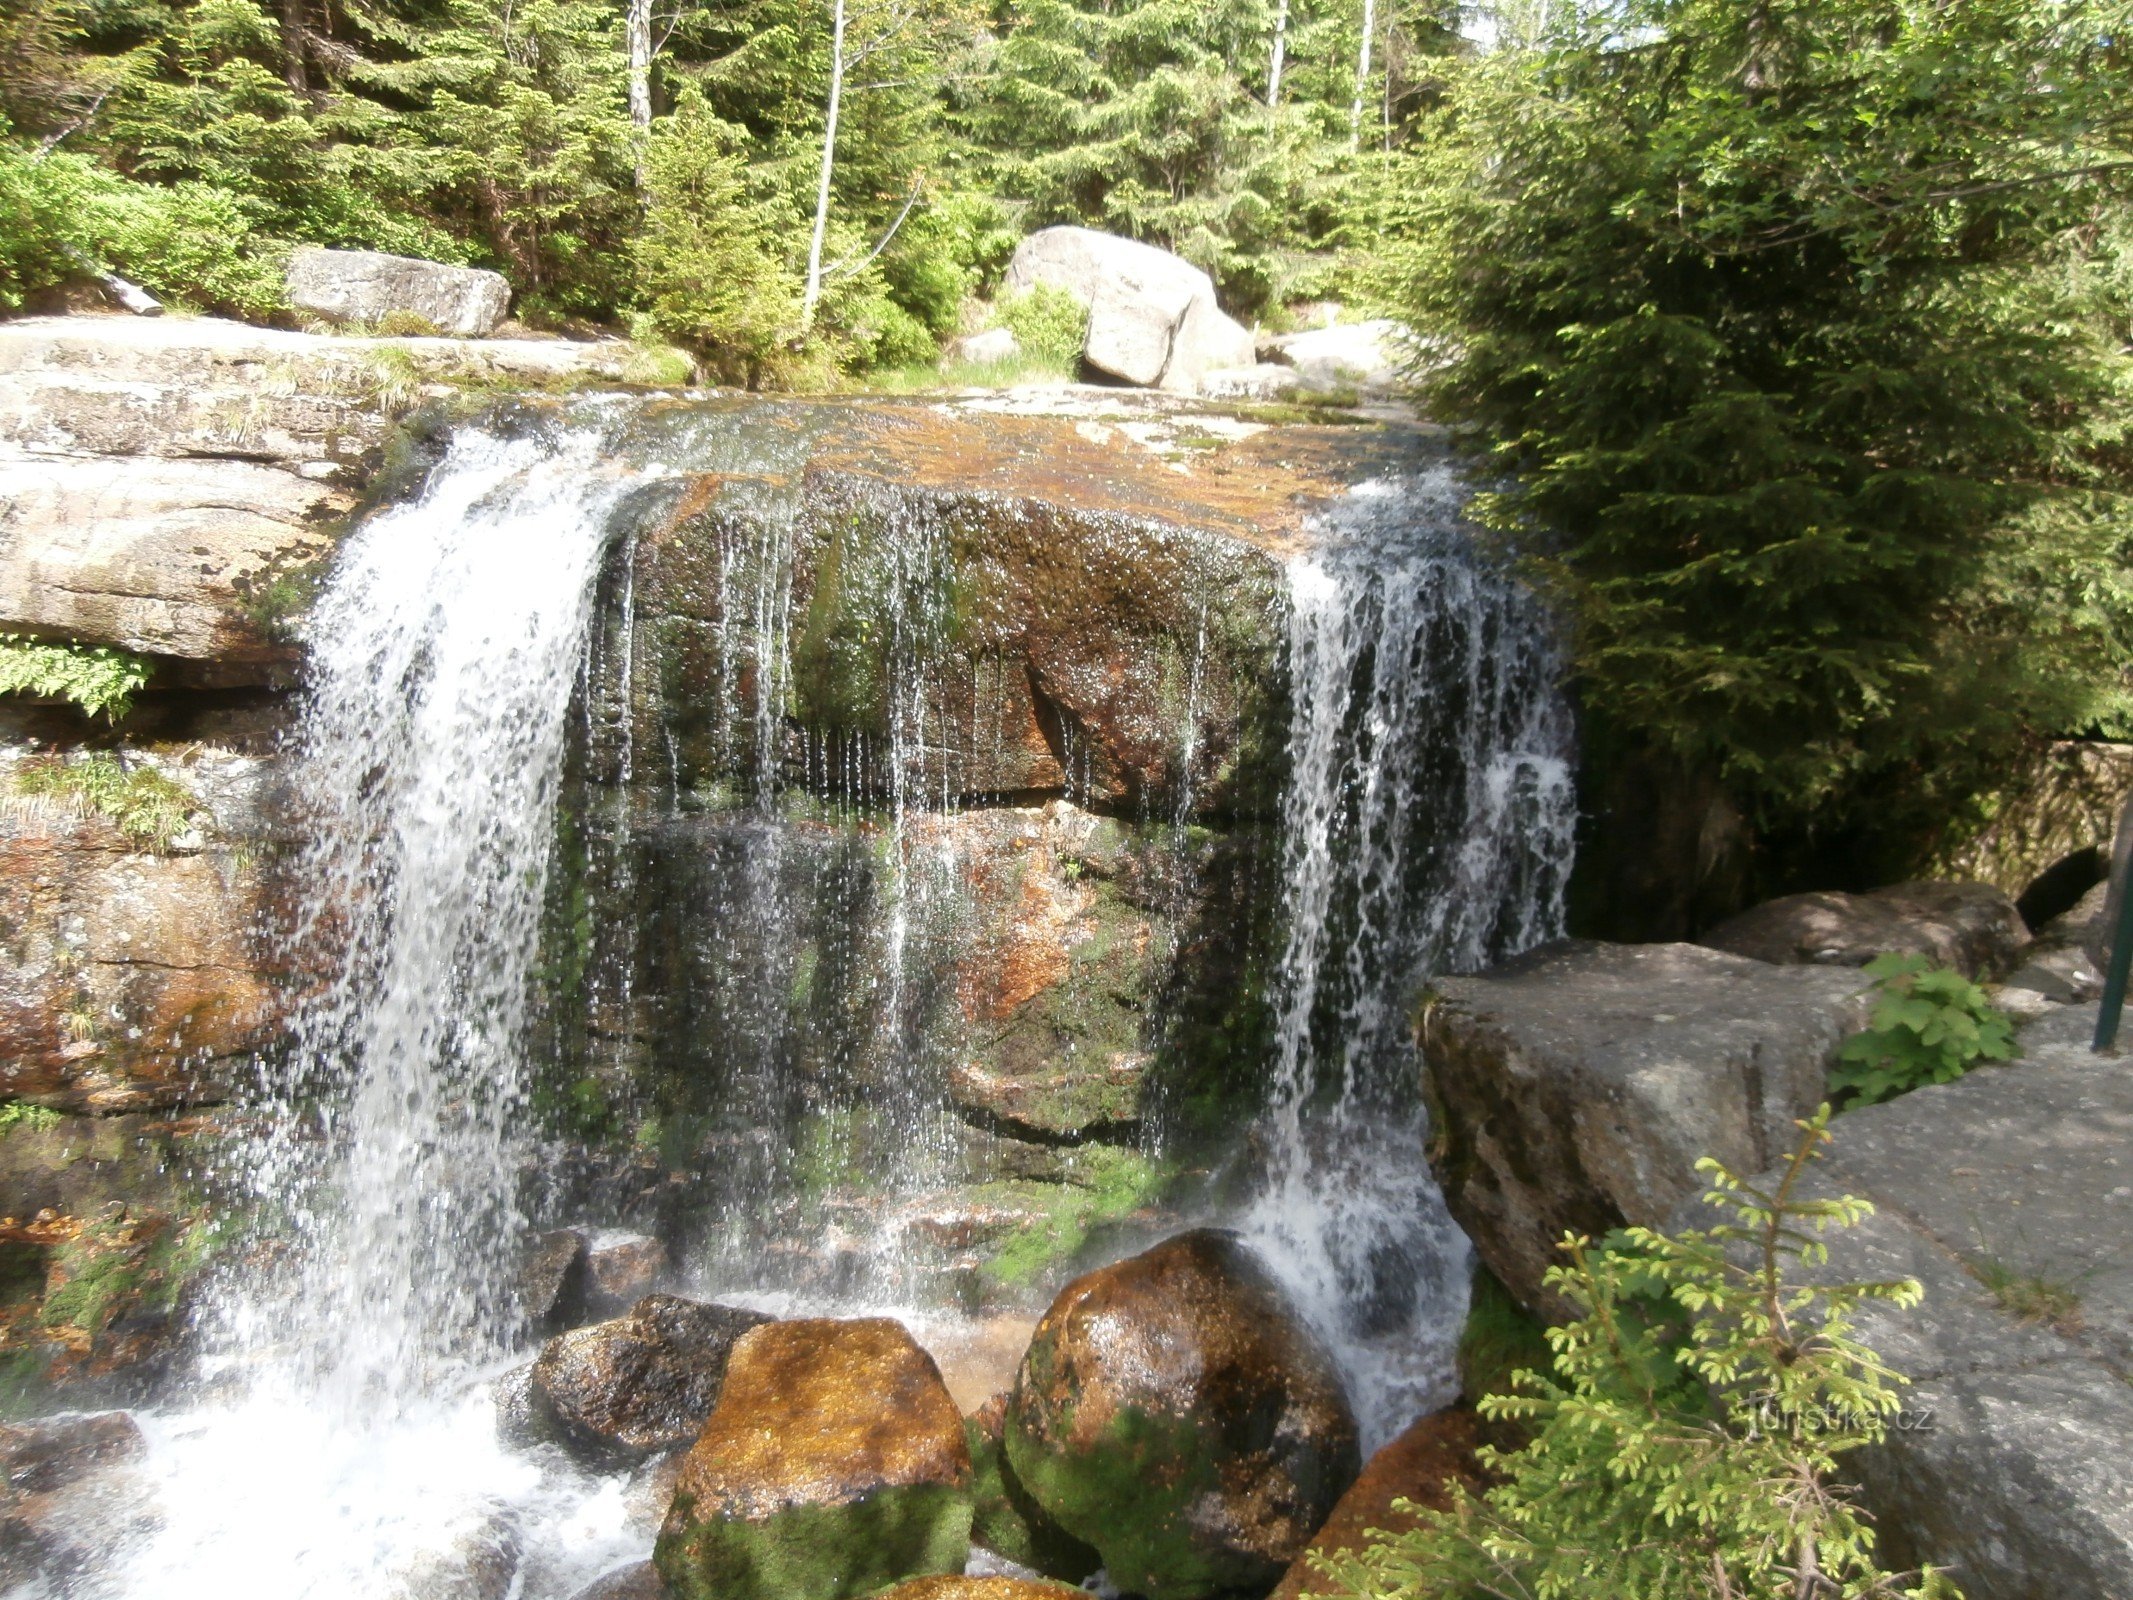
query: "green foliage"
1931, 1025
99, 680
1781, 326
21, 1114
710, 260
2030, 1297
149, 808
1049, 323
1501, 1338
1688, 1454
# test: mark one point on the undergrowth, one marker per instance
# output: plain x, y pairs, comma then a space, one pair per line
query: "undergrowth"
149, 808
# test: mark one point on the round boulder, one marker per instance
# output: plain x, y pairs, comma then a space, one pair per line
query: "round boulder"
833, 1465
641, 1383
1177, 1413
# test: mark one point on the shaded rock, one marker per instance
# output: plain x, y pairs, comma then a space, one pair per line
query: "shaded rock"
1006, 1520
1363, 356
2008, 1461
370, 286
2066, 803
1970, 926
834, 1465
551, 1278
1576, 1087
620, 1269
1427, 1465
52, 1452
642, 1383
638, 1581
2061, 962
955, 1586
989, 348
1176, 1413
1153, 319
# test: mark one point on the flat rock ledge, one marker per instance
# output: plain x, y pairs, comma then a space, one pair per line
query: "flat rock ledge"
1576, 1087
2010, 1462
158, 476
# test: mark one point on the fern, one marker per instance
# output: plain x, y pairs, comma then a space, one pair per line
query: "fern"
100, 680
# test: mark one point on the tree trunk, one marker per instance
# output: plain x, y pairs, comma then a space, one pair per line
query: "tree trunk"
1362, 75
294, 47
829, 165
1281, 50
639, 24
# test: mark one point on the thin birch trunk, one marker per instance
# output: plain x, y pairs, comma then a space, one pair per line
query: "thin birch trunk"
1281, 50
639, 24
829, 163
1362, 75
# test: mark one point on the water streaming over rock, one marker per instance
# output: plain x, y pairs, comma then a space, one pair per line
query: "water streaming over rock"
357, 1454
1427, 828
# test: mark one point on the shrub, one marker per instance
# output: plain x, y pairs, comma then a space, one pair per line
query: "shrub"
1931, 1025
99, 680
1685, 1443
1049, 323
709, 259
63, 216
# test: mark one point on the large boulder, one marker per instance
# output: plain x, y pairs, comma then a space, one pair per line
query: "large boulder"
1175, 1412
1153, 319
1576, 1087
1969, 926
1363, 356
642, 1383
369, 286
2007, 1195
834, 1465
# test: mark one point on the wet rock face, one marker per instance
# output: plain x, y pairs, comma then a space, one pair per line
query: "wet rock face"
642, 1383
1178, 1415
1576, 1087
620, 1268
132, 979
1969, 926
835, 1464
1426, 1466
62, 1499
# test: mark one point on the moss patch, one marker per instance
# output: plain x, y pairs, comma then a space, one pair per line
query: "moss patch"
1008, 1522
1107, 1184
149, 808
816, 1552
1500, 1337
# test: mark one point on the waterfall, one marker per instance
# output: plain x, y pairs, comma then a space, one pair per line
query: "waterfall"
1427, 828
359, 1450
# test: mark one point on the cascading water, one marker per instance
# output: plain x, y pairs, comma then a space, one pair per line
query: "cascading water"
1427, 828
358, 1451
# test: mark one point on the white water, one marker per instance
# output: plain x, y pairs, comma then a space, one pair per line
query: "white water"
1427, 829
356, 1454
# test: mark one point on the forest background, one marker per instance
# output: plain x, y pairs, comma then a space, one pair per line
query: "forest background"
1791, 337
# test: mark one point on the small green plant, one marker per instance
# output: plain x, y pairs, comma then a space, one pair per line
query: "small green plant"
1931, 1025
404, 324
150, 809
21, 1114
1049, 324
1685, 1444
2030, 1297
99, 680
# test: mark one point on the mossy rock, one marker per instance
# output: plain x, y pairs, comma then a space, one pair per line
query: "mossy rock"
1177, 1414
1006, 1520
833, 1465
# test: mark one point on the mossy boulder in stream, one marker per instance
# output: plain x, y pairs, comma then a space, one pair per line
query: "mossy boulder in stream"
1176, 1412
833, 1465
1007, 1521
